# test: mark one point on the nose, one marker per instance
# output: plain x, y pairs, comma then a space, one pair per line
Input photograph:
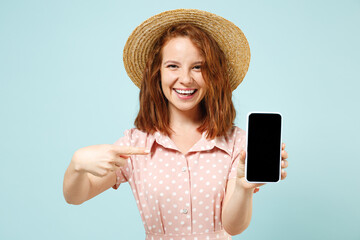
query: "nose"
186, 77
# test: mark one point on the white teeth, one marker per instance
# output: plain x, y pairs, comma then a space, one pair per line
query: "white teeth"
185, 91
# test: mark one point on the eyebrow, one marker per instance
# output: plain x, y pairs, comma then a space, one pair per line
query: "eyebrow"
172, 61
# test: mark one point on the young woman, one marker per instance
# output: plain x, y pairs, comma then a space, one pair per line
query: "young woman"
184, 160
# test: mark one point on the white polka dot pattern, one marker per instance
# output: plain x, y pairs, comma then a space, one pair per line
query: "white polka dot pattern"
180, 196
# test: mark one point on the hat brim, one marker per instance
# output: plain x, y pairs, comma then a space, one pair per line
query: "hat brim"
229, 37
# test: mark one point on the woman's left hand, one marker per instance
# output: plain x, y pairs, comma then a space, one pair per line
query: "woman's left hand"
255, 186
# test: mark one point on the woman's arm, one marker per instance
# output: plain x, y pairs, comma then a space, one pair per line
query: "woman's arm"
76, 185
92, 170
237, 207
80, 186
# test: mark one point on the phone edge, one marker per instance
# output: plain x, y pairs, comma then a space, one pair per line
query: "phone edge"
246, 147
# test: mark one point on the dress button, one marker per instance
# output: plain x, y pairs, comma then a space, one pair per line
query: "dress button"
184, 169
185, 210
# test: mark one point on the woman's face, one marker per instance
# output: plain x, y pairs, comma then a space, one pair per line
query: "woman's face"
181, 78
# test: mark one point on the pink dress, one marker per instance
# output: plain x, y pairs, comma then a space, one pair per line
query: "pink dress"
180, 196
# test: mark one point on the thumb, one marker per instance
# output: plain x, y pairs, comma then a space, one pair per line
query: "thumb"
242, 156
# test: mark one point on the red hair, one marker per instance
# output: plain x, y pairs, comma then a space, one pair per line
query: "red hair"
217, 109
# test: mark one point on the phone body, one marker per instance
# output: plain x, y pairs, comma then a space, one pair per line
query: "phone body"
263, 147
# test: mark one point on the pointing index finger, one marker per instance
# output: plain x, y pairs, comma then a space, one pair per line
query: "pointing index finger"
136, 151
132, 150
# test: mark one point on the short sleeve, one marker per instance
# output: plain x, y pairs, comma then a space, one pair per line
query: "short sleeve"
123, 173
239, 144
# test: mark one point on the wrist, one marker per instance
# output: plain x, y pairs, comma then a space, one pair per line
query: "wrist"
75, 163
241, 186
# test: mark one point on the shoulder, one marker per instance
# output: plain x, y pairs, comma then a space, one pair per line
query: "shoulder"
237, 139
136, 134
236, 133
135, 137
234, 140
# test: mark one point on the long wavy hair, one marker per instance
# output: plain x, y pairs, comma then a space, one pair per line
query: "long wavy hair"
217, 109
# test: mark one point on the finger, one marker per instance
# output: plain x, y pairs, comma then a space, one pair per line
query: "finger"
283, 146
100, 173
136, 151
284, 154
110, 167
104, 170
116, 168
130, 150
248, 185
283, 174
284, 164
120, 161
242, 156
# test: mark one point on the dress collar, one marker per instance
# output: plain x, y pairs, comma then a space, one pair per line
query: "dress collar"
203, 144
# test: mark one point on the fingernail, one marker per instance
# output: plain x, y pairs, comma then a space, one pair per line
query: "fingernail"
147, 151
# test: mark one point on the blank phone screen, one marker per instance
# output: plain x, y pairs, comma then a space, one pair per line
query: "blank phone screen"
264, 147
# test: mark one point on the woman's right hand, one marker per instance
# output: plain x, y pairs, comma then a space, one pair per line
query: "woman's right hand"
100, 159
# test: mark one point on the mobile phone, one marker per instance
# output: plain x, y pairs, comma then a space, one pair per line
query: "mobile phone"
263, 147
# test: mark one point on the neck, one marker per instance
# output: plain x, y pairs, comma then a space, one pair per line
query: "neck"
185, 120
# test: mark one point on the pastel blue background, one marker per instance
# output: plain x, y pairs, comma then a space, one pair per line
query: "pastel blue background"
64, 86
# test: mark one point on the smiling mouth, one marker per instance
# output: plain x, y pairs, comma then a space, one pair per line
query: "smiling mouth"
185, 92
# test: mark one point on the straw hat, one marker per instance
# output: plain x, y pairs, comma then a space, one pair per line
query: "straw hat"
229, 37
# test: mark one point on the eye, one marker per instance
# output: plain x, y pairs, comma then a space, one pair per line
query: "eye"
172, 66
197, 67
